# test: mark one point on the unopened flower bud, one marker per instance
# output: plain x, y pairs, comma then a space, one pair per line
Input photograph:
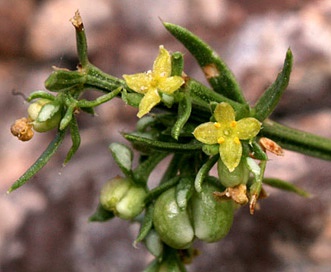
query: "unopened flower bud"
45, 115
123, 197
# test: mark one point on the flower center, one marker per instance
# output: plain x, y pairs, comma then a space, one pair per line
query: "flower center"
227, 132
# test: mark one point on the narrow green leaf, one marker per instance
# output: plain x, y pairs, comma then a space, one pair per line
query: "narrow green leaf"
154, 193
75, 138
184, 191
153, 266
297, 140
286, 186
162, 146
146, 225
97, 79
217, 73
66, 119
101, 215
203, 172
257, 151
40, 162
40, 94
63, 79
123, 157
184, 112
270, 98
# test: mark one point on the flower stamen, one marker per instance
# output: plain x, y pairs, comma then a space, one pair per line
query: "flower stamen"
221, 140
233, 124
236, 140
217, 125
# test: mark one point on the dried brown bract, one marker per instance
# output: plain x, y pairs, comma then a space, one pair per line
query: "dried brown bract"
271, 146
237, 193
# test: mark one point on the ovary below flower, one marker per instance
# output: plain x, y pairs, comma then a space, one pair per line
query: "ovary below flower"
227, 132
151, 83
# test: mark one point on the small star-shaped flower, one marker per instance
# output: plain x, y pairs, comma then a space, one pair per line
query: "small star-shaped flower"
151, 83
227, 132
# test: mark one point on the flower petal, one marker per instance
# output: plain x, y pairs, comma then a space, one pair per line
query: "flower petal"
170, 84
162, 64
206, 133
149, 100
248, 128
224, 113
140, 82
230, 152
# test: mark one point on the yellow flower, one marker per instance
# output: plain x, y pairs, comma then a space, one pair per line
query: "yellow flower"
154, 82
227, 132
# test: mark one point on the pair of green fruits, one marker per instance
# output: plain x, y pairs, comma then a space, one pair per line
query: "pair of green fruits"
202, 217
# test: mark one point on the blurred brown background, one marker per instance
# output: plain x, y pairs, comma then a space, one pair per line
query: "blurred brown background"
43, 226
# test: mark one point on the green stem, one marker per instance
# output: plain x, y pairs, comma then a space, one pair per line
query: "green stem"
83, 103
95, 77
296, 140
81, 41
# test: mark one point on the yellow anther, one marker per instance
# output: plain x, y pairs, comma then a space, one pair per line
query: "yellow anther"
236, 140
233, 124
217, 125
221, 140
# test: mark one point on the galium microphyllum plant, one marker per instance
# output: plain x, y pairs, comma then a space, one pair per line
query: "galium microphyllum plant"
198, 126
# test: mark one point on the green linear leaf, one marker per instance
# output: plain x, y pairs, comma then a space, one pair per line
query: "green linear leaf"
184, 112
162, 146
123, 157
101, 215
216, 71
270, 98
203, 172
146, 225
286, 186
40, 162
297, 140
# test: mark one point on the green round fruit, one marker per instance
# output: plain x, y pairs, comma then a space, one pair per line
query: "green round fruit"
172, 223
212, 219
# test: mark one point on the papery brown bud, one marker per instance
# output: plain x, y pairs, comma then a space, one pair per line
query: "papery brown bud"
22, 129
